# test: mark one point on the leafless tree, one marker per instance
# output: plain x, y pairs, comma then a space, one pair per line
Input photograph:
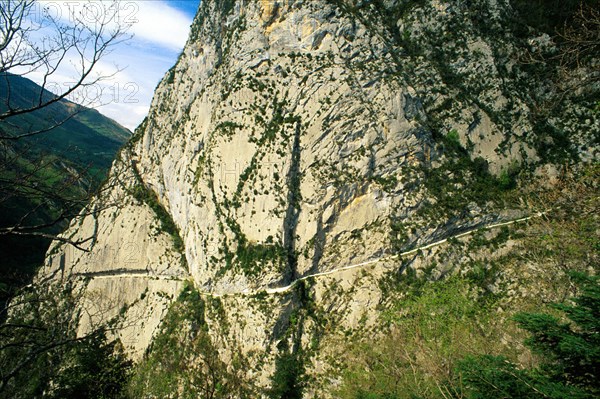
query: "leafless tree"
581, 39
33, 40
45, 39
574, 57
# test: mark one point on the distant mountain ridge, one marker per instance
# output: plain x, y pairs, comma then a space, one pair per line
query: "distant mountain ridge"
81, 146
87, 134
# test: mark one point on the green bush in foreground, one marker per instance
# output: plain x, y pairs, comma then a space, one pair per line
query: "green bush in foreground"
569, 351
443, 343
431, 329
42, 356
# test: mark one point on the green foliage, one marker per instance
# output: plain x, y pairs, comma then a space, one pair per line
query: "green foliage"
226, 6
383, 17
171, 76
94, 368
571, 350
46, 177
388, 183
251, 257
570, 354
547, 15
182, 360
228, 128
506, 180
461, 180
426, 337
368, 395
494, 377
405, 281
553, 144
482, 274
453, 139
287, 380
41, 355
398, 235
86, 138
435, 309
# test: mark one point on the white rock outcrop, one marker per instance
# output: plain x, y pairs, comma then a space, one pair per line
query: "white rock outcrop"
288, 139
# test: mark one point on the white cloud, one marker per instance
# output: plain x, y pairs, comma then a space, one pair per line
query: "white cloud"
158, 23
159, 34
155, 22
128, 116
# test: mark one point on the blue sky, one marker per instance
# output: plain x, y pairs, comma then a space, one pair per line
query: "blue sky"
159, 30
159, 34
187, 6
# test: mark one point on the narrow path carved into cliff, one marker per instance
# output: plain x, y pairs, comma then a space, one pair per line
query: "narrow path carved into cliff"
143, 273
279, 290
127, 273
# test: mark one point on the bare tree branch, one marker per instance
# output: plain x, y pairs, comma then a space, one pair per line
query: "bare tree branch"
34, 40
89, 42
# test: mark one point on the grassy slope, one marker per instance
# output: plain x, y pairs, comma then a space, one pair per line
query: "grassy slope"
89, 139
430, 324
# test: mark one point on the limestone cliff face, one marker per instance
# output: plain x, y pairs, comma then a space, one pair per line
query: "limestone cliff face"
291, 138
